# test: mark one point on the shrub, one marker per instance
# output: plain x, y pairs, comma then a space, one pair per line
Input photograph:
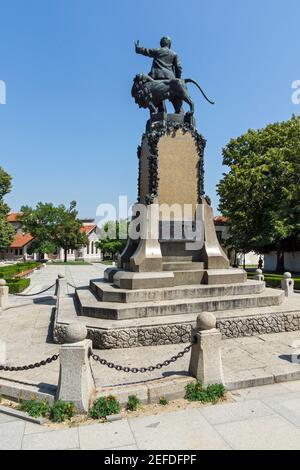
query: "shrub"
61, 411
58, 412
163, 401
209, 394
134, 403
7, 272
104, 406
35, 408
17, 285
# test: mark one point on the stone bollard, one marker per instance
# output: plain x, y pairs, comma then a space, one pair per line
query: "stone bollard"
4, 290
206, 362
61, 289
259, 275
287, 284
76, 381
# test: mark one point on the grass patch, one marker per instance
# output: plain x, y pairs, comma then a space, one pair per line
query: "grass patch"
134, 403
274, 280
35, 409
61, 411
209, 394
104, 406
107, 262
163, 401
8, 272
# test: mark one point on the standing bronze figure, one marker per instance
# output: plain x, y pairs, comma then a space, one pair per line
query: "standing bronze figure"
164, 81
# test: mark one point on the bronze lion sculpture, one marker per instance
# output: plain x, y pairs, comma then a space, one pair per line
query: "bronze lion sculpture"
152, 94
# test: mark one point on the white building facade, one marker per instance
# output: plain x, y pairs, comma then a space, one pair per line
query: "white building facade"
18, 250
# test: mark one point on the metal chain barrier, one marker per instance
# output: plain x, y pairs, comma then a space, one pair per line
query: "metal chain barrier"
36, 293
141, 370
30, 366
71, 285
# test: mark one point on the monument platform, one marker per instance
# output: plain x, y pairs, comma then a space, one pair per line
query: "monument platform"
162, 282
166, 302
268, 313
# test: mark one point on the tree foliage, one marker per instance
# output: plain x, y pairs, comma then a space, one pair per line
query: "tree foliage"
113, 237
261, 193
53, 227
6, 229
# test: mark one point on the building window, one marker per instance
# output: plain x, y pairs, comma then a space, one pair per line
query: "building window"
88, 249
219, 235
92, 246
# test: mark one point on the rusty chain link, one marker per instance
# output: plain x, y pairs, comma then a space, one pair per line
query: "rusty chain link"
29, 366
141, 370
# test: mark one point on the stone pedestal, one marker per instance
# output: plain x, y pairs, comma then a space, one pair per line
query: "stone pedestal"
206, 361
76, 381
61, 288
4, 291
147, 256
259, 275
179, 226
165, 280
288, 284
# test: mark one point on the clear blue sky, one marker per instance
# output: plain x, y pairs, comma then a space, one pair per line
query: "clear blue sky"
70, 128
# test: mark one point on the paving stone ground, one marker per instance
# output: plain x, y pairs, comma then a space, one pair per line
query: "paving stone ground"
26, 330
260, 418
264, 417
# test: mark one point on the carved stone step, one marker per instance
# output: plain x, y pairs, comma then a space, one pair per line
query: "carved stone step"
175, 329
107, 292
91, 307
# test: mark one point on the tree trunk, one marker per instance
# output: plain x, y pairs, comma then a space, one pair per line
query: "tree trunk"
280, 268
65, 255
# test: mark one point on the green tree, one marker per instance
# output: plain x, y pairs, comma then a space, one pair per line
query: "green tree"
53, 227
261, 193
6, 229
113, 238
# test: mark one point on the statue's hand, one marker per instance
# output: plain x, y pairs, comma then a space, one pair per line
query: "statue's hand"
136, 44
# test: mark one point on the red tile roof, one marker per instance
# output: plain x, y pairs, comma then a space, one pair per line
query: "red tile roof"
13, 216
21, 239
88, 228
221, 220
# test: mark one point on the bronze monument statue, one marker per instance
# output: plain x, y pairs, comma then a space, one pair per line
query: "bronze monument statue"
166, 63
163, 82
173, 265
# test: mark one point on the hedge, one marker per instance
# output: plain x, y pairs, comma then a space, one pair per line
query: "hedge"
274, 280
7, 272
18, 285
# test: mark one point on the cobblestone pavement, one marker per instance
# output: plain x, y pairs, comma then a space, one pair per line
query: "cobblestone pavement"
263, 418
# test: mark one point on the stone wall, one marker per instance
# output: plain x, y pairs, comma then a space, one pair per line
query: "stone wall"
181, 333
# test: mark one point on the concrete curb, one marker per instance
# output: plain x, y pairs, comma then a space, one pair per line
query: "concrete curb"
21, 415
113, 418
148, 392
26, 391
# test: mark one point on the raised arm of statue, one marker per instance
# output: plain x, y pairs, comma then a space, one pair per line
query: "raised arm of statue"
144, 51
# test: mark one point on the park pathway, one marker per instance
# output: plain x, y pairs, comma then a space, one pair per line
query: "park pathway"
261, 418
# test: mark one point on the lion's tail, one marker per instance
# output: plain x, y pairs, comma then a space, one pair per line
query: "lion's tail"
189, 80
